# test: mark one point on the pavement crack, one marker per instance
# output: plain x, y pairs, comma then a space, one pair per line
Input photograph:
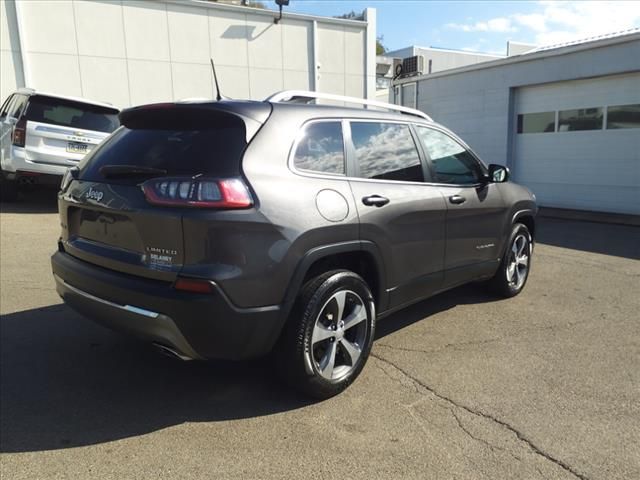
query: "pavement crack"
519, 435
461, 345
477, 439
454, 346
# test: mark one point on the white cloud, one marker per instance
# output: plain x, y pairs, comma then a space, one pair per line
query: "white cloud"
569, 20
499, 24
562, 21
534, 21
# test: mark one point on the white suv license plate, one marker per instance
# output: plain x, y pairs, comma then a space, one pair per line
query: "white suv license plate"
75, 147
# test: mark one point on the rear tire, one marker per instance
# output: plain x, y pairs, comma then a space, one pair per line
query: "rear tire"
8, 189
328, 336
513, 272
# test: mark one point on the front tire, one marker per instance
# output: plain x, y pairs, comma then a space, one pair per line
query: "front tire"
513, 272
329, 335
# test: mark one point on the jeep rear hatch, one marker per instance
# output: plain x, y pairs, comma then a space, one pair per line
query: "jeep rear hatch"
124, 209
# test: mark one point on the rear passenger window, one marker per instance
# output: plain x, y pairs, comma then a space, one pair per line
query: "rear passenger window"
18, 106
321, 149
451, 161
386, 151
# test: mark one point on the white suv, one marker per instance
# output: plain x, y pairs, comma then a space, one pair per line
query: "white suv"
43, 134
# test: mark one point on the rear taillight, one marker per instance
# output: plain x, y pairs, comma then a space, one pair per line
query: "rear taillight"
19, 134
198, 192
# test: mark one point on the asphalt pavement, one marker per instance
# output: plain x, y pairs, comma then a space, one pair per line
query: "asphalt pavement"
464, 385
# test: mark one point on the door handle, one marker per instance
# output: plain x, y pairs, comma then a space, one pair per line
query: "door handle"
375, 201
457, 199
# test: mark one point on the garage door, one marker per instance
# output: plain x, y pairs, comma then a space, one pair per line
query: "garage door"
578, 143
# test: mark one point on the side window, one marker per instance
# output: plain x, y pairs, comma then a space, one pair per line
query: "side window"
6, 104
17, 106
386, 151
321, 149
451, 162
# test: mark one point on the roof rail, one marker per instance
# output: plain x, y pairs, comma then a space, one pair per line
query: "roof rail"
298, 95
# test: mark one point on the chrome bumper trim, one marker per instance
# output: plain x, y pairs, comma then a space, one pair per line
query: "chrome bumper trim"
128, 308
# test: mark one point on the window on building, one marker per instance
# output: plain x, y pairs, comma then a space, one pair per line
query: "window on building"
382, 83
580, 119
321, 149
537, 122
623, 116
452, 162
386, 151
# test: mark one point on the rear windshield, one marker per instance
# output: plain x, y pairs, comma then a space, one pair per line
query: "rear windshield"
67, 113
213, 151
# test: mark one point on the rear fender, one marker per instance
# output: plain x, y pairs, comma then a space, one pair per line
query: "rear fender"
327, 251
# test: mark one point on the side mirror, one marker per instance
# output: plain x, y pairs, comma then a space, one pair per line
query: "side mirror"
498, 173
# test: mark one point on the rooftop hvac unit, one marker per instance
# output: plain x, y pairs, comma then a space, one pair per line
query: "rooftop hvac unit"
413, 65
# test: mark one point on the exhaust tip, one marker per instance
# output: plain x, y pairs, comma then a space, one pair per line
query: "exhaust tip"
170, 352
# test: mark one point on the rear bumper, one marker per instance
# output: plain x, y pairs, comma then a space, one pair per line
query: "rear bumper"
24, 177
193, 325
22, 160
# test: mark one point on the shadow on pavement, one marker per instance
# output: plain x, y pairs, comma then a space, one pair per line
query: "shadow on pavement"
607, 239
66, 382
42, 200
464, 295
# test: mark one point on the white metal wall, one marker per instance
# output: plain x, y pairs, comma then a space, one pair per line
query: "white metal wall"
478, 103
132, 52
592, 169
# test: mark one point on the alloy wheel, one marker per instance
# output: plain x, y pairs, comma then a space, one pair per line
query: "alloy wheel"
339, 335
518, 264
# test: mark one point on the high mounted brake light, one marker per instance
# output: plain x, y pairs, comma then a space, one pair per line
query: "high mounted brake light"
227, 193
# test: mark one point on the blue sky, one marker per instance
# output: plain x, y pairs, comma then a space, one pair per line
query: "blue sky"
483, 26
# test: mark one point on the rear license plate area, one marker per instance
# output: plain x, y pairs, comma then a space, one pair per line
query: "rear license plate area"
76, 147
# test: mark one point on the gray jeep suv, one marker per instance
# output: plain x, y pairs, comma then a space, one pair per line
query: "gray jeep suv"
232, 229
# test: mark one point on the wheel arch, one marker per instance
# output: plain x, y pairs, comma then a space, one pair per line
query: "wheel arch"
526, 217
361, 257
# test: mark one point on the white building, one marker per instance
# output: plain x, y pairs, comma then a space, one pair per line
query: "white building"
133, 52
565, 118
438, 59
432, 60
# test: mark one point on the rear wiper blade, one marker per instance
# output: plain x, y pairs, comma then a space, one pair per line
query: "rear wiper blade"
108, 171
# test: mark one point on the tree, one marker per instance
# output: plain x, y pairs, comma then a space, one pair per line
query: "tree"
380, 48
353, 15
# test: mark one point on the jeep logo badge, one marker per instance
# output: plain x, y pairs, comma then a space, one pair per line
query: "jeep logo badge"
94, 195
